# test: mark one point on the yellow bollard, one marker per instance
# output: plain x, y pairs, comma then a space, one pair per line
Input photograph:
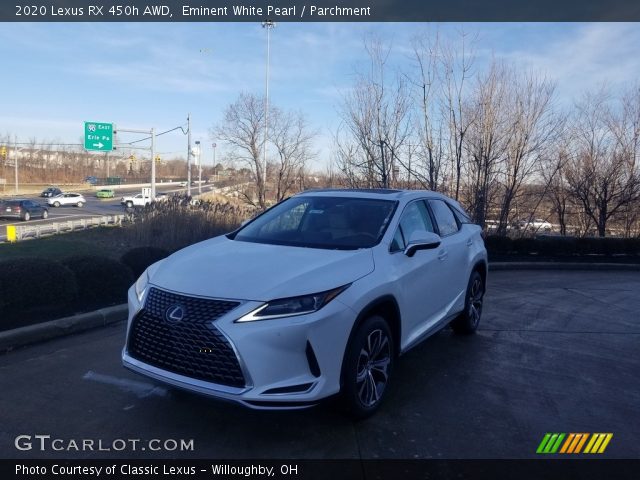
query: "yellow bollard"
11, 233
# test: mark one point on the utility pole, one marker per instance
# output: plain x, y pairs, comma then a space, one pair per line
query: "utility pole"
189, 154
15, 153
269, 24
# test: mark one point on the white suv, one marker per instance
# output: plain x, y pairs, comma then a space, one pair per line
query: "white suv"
67, 199
317, 296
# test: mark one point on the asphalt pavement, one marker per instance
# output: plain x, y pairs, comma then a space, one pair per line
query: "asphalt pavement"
556, 352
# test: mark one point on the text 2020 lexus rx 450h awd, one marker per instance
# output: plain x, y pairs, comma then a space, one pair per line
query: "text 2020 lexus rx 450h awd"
316, 296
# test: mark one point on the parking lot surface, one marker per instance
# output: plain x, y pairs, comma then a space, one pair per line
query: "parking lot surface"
556, 352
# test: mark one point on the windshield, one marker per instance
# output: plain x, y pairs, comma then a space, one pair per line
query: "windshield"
321, 222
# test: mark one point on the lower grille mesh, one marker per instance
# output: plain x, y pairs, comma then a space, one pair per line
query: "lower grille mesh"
190, 345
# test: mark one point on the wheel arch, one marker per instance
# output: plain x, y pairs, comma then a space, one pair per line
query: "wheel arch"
481, 267
387, 307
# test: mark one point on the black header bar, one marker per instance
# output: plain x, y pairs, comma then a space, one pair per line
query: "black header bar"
320, 11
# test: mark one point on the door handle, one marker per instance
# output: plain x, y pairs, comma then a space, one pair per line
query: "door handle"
442, 255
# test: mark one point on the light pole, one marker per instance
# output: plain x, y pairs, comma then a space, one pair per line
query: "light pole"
269, 24
189, 153
215, 171
199, 163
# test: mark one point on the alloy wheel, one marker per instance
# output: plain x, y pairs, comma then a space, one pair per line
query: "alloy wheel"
373, 367
475, 301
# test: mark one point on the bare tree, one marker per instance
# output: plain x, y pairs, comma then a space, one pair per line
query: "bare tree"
487, 139
604, 174
292, 140
457, 63
243, 130
376, 114
532, 126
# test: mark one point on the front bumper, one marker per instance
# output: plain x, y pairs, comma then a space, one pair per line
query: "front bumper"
287, 363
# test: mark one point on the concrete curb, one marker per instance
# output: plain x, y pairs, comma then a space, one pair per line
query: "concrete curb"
597, 267
39, 332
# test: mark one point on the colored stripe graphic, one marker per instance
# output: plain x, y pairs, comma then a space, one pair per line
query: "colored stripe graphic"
574, 443
550, 443
598, 443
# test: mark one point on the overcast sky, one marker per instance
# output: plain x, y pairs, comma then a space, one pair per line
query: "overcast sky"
54, 76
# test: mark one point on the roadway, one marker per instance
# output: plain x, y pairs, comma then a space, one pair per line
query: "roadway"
555, 352
95, 207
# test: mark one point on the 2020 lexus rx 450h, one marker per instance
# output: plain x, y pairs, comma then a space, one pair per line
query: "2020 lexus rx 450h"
317, 296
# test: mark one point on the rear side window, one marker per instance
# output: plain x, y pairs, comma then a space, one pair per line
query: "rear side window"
446, 220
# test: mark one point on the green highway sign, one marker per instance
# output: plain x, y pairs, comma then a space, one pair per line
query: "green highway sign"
98, 136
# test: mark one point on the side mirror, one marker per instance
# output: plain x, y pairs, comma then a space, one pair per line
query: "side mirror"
421, 240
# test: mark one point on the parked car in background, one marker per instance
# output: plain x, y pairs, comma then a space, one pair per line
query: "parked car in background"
105, 193
317, 296
51, 192
22, 209
162, 197
91, 180
64, 199
533, 225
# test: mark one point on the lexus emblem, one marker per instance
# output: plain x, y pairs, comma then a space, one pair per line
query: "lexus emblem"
174, 314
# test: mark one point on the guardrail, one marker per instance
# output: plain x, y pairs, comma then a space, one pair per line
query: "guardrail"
16, 233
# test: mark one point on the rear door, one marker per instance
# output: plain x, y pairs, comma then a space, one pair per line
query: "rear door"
452, 254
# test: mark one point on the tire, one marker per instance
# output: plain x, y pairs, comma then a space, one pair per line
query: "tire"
79, 204
129, 204
45, 214
467, 322
367, 367
26, 217
56, 204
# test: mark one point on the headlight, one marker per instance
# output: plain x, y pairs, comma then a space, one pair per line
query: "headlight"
288, 307
141, 285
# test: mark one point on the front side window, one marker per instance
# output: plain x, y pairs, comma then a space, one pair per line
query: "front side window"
415, 218
321, 222
445, 218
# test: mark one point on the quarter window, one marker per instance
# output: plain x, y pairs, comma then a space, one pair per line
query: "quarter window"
444, 217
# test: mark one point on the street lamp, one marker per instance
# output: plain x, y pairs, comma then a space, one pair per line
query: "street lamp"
269, 24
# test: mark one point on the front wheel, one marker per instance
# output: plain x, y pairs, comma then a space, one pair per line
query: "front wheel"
80, 204
129, 204
26, 217
45, 214
56, 204
367, 367
467, 322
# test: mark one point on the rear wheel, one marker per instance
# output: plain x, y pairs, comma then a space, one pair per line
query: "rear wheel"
467, 322
367, 367
80, 204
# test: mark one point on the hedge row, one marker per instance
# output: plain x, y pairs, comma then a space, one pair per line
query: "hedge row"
556, 246
76, 283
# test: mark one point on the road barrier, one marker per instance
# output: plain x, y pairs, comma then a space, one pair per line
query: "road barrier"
15, 233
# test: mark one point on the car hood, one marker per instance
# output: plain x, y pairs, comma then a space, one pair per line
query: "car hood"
232, 269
